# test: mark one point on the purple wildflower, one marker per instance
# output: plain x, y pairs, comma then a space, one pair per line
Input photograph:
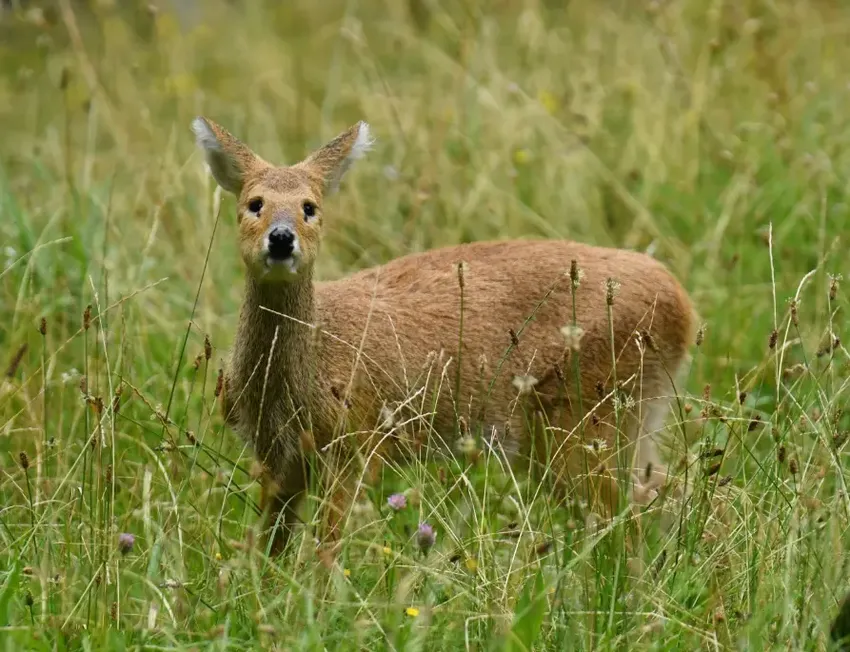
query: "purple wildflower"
126, 542
397, 501
425, 537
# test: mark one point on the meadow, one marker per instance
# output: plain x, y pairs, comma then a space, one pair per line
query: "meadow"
714, 135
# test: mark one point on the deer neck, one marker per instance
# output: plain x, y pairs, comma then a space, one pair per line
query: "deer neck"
272, 359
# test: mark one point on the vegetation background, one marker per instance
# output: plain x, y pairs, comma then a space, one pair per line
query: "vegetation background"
714, 134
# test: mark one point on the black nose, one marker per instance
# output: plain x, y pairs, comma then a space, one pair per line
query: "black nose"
281, 242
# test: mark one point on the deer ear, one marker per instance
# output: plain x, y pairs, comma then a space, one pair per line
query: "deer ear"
332, 161
229, 159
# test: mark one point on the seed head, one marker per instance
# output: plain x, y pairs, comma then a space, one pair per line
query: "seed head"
87, 318
792, 466
15, 362
126, 541
771, 343
780, 455
572, 336
113, 611
612, 287
646, 340
461, 268
700, 335
576, 275
514, 338
42, 327
219, 383
108, 474
25, 461
833, 286
116, 399
558, 373
794, 317
207, 347
600, 390
524, 383
426, 537
84, 385
28, 600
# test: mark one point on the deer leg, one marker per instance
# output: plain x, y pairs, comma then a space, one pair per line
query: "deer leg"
280, 501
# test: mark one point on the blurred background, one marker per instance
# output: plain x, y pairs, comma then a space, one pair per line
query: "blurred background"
682, 128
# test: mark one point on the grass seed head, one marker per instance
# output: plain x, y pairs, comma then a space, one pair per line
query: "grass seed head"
219, 383
15, 362
576, 274
25, 460
771, 342
833, 286
612, 288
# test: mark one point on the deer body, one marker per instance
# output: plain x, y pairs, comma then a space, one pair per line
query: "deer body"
371, 360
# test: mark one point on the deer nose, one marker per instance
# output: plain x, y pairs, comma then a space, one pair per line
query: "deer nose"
281, 242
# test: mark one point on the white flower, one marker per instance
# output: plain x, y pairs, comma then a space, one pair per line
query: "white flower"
572, 336
524, 383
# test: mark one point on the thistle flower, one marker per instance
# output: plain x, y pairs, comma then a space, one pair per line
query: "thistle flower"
126, 541
426, 537
397, 502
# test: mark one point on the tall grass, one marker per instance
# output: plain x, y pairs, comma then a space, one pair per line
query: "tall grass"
714, 135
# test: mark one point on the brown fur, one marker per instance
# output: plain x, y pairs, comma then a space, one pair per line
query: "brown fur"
345, 354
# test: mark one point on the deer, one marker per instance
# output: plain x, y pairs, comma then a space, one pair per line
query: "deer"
559, 353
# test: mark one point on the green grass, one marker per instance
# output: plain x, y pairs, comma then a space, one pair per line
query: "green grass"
715, 134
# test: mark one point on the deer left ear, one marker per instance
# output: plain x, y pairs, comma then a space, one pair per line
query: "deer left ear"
332, 161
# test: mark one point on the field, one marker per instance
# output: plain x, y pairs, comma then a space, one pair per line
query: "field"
714, 135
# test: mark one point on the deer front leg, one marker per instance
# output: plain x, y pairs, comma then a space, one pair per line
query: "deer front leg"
279, 501
343, 475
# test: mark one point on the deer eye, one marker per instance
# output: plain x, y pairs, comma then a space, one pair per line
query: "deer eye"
309, 210
255, 205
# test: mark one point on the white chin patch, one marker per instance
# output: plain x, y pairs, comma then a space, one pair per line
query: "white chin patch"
286, 265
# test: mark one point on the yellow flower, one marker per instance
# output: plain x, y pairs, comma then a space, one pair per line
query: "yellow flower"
412, 612
218, 556
471, 564
346, 572
387, 550
548, 100
521, 156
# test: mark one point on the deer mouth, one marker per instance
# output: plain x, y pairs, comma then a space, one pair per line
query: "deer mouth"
289, 264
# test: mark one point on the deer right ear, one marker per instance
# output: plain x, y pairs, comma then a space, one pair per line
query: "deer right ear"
229, 159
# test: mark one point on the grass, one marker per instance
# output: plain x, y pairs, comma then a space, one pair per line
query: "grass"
713, 134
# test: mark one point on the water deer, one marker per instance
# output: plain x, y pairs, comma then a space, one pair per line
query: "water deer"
558, 354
